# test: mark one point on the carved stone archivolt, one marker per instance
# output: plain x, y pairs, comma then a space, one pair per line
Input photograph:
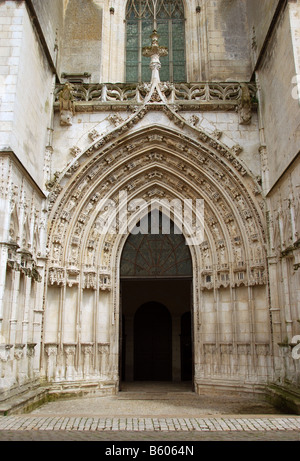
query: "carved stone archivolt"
157, 163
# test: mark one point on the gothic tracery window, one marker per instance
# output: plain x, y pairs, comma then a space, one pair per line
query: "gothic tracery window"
160, 254
165, 16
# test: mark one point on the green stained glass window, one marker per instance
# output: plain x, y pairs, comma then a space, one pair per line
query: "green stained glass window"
167, 17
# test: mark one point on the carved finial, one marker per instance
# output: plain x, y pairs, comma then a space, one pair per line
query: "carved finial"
155, 52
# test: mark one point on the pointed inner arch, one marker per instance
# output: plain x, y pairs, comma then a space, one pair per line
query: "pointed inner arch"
156, 250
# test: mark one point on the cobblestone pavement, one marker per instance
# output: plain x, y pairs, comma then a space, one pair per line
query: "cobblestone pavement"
217, 424
158, 415
60, 428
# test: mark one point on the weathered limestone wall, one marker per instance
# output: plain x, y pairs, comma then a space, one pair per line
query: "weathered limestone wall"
26, 84
22, 234
50, 15
82, 39
284, 261
280, 110
227, 40
25, 88
277, 72
259, 15
277, 68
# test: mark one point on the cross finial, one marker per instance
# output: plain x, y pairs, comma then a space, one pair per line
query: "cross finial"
155, 52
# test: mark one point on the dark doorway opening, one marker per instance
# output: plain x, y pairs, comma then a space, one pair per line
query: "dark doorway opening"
123, 347
156, 327
152, 343
186, 348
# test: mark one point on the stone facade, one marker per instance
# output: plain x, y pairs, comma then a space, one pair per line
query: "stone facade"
75, 136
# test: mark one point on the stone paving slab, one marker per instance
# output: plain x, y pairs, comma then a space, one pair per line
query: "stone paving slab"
156, 405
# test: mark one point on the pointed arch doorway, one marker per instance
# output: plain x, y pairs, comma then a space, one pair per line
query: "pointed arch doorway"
156, 293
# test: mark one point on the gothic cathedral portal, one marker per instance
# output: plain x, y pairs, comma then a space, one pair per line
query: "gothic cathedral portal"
107, 109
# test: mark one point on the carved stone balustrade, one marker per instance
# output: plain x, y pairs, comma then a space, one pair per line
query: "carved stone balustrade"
184, 96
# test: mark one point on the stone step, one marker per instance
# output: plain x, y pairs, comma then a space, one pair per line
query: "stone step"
24, 402
156, 395
284, 398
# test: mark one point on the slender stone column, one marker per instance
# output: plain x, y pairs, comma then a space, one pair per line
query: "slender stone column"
4, 358
3, 269
103, 349
38, 316
262, 351
7, 203
87, 350
275, 315
70, 350
25, 321
14, 305
51, 351
287, 299
30, 352
17, 365
243, 350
